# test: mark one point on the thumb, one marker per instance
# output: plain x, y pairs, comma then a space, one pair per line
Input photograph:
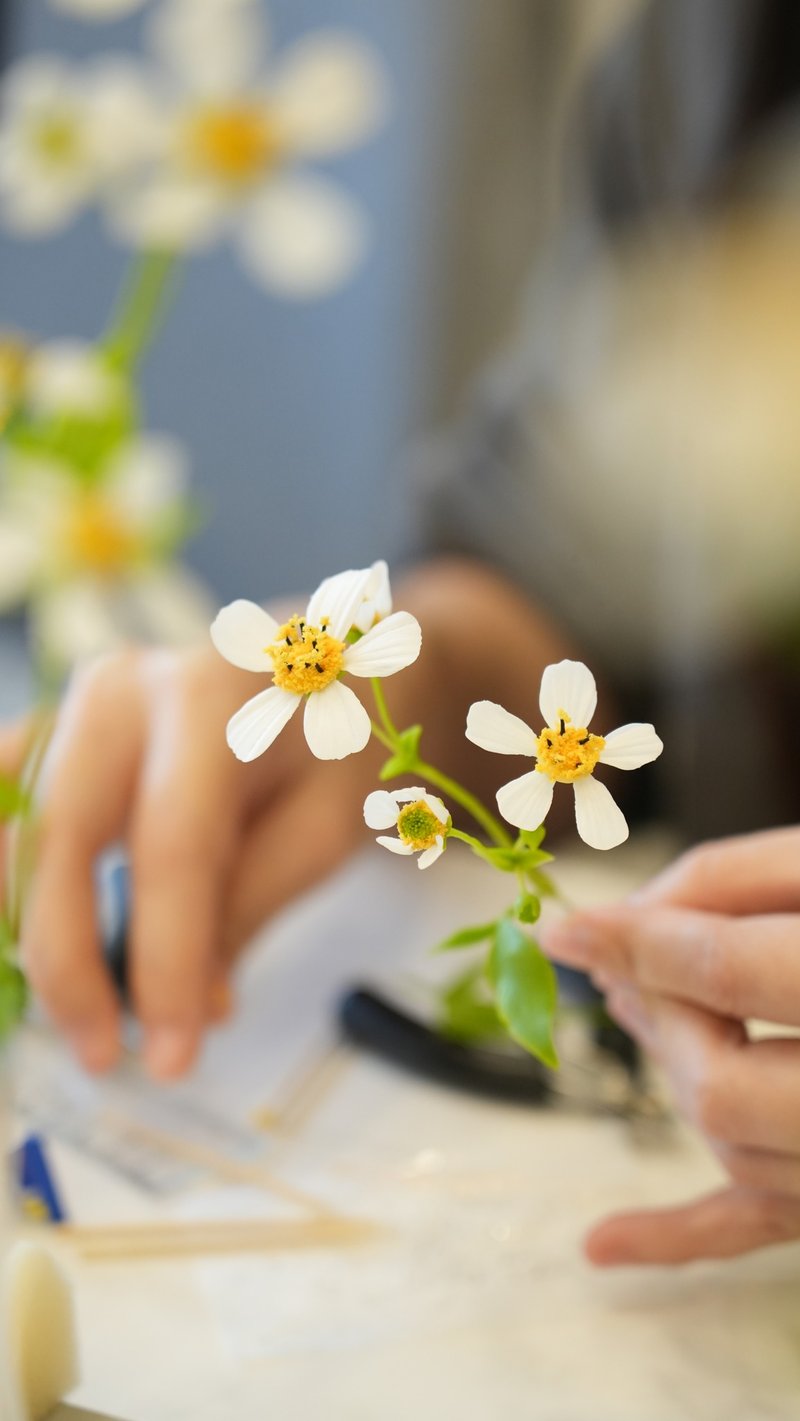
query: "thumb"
721, 1225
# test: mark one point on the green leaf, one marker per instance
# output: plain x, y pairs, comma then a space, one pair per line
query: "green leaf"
466, 1012
405, 756
13, 996
532, 838
467, 937
525, 990
527, 908
14, 800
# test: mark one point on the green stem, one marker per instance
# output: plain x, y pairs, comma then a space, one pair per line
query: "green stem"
388, 735
453, 790
388, 724
141, 308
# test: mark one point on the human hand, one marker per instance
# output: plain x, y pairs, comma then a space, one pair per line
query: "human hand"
686, 962
216, 847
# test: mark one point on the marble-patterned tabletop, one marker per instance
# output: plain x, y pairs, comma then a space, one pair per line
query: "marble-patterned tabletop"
474, 1297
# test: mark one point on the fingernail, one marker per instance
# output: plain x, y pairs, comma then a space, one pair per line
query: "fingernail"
168, 1052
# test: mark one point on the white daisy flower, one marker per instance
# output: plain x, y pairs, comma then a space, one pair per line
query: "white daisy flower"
420, 818
566, 753
235, 131
306, 657
377, 598
65, 134
92, 559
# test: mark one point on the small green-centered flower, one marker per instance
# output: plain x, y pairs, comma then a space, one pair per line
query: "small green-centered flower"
566, 753
420, 818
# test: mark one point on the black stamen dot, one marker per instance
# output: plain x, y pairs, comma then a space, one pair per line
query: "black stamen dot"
319, 668
288, 641
290, 667
563, 727
314, 644
549, 744
585, 740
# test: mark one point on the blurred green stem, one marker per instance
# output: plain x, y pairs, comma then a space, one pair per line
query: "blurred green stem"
141, 308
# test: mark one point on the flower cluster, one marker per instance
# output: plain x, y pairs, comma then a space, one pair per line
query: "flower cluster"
211, 137
349, 629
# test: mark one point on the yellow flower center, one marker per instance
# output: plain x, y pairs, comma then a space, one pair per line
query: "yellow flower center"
418, 826
57, 139
306, 658
235, 143
97, 538
567, 752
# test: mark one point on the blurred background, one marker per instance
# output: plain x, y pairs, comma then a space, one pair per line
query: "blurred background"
571, 348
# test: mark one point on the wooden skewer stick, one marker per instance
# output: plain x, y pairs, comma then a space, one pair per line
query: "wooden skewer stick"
236, 1171
98, 1242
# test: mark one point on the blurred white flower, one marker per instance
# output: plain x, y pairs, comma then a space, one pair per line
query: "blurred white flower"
566, 753
65, 134
420, 818
306, 657
92, 559
234, 133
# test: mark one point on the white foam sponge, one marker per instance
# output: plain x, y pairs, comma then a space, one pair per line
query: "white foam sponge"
40, 1318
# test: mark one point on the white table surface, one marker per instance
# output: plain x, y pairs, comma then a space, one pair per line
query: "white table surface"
476, 1300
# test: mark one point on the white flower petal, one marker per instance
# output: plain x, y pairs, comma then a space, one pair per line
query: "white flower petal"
380, 809
436, 806
241, 632
252, 729
69, 376
338, 600
390, 646
524, 802
329, 92
335, 723
395, 846
601, 823
494, 728
377, 598
408, 796
20, 561
568, 686
169, 604
631, 746
169, 211
432, 854
77, 620
302, 236
147, 476
213, 47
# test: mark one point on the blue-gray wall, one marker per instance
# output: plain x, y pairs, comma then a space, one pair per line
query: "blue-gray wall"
295, 415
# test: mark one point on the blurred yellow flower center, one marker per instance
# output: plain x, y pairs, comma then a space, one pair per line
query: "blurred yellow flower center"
235, 143
566, 752
306, 658
97, 538
57, 138
418, 826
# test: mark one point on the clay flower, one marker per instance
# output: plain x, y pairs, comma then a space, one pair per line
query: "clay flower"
566, 752
236, 134
306, 657
420, 819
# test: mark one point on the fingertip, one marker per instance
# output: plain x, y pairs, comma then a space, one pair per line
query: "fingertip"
169, 1052
605, 1247
98, 1050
